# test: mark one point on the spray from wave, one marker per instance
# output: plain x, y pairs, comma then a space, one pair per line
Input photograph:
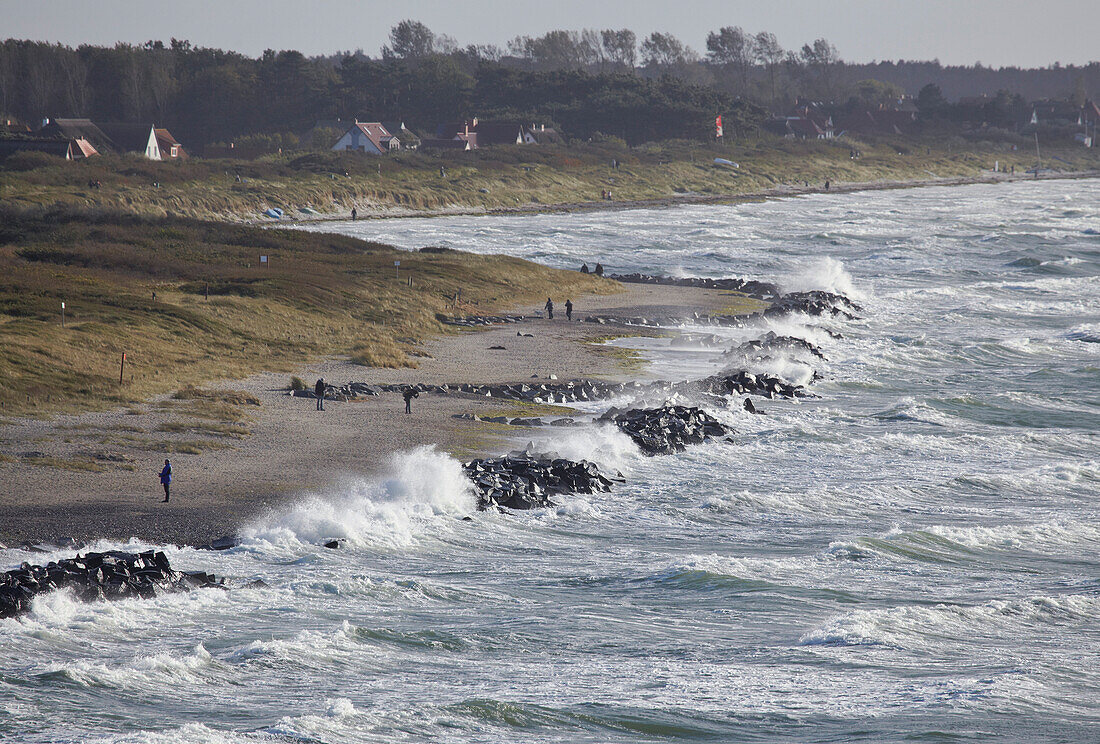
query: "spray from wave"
826, 274
422, 484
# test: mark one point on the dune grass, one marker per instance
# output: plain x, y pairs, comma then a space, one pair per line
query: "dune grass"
508, 177
218, 312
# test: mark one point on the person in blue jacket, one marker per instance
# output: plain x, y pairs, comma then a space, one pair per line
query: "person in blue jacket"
166, 479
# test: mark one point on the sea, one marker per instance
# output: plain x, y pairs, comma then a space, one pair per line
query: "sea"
912, 556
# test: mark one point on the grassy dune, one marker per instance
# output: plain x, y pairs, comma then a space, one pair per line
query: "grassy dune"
319, 295
499, 178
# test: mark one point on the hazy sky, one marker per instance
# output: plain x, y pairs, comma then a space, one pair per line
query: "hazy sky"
994, 32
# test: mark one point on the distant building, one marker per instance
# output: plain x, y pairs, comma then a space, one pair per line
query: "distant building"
800, 127
62, 148
111, 137
370, 137
883, 120
409, 139
432, 143
169, 148
541, 135
490, 133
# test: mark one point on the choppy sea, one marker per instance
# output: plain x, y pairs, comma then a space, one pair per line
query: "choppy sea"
913, 556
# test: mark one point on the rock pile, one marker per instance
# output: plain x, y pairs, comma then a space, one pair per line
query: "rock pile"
816, 302
110, 575
527, 480
747, 383
668, 429
482, 320
759, 348
751, 287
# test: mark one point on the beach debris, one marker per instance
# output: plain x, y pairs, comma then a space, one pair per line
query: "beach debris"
95, 576
524, 479
666, 429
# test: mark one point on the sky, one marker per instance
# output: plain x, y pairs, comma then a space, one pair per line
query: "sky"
1025, 33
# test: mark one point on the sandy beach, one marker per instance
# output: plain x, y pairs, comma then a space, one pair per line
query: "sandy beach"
291, 447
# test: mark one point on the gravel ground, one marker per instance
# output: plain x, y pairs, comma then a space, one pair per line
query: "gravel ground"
292, 447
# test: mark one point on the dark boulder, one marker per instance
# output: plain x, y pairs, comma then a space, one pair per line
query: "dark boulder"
667, 429
527, 480
95, 576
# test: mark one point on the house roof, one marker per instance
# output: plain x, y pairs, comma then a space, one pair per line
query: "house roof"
127, 136
52, 146
165, 141
403, 133
545, 136
375, 132
497, 132
77, 129
435, 143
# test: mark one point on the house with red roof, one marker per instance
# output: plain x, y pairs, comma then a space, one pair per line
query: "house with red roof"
370, 137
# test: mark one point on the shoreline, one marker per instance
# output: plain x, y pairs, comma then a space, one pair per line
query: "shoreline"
369, 212
293, 450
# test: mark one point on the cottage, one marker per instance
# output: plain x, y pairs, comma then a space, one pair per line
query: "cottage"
369, 137
798, 127
489, 133
408, 138
61, 148
433, 143
116, 137
169, 148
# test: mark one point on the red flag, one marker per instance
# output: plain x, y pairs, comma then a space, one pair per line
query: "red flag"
718, 126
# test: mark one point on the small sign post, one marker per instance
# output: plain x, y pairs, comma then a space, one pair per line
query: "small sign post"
122, 368
263, 260
397, 270
62, 314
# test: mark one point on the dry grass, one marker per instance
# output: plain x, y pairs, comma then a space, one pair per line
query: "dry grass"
228, 397
205, 429
320, 295
506, 177
83, 464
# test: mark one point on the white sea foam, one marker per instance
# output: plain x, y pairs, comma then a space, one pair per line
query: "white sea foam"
826, 274
393, 510
916, 627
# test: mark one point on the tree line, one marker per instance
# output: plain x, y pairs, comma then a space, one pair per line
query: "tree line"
587, 82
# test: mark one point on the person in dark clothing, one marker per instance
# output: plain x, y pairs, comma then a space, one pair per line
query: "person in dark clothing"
549, 308
166, 479
319, 391
408, 395
598, 271
569, 309
584, 268
354, 213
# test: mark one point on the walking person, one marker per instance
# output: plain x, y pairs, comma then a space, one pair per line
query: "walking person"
319, 391
166, 479
549, 308
569, 309
408, 395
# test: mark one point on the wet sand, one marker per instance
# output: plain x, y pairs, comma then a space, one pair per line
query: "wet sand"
293, 448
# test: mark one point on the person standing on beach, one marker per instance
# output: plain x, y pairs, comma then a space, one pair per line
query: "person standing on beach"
166, 479
319, 391
354, 213
569, 309
408, 395
549, 308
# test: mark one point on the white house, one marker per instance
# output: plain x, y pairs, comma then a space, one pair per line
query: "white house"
369, 137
